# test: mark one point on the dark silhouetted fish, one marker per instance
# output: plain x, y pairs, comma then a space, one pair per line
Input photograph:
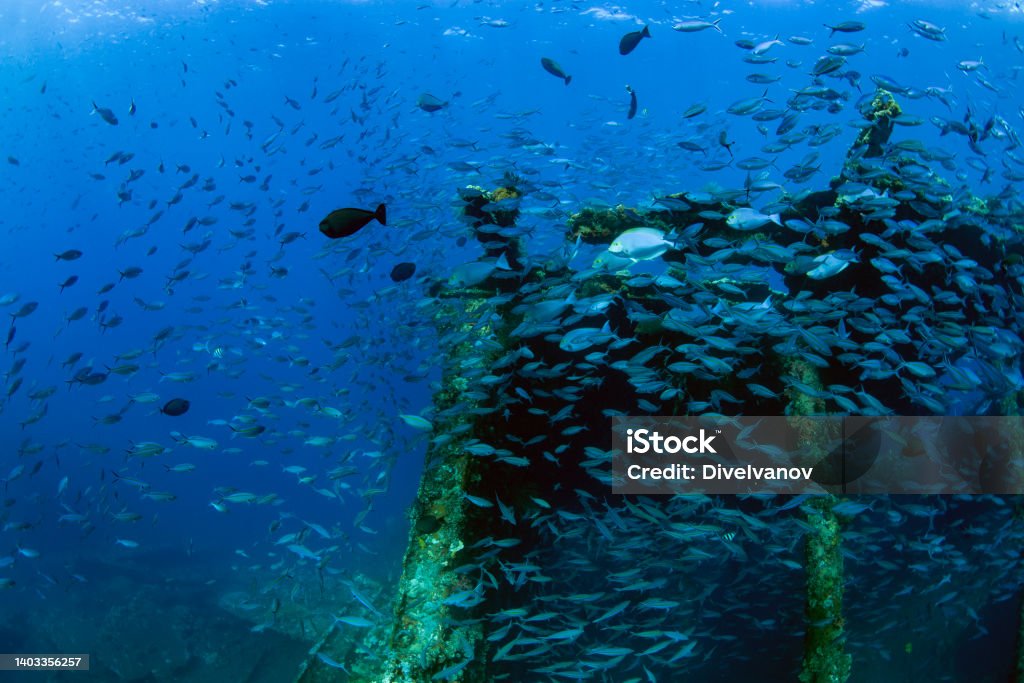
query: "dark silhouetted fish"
345, 222
403, 271
629, 41
68, 282
555, 69
176, 407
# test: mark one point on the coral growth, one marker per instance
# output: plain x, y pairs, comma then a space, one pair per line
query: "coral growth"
601, 226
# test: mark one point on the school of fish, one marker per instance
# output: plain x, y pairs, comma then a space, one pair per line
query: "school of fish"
873, 248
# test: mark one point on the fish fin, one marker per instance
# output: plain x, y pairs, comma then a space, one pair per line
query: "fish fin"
775, 219
646, 33
568, 79
502, 263
381, 214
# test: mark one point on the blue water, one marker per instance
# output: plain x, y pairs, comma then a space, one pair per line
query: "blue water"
235, 93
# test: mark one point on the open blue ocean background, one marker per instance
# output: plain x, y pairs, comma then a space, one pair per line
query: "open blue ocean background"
239, 127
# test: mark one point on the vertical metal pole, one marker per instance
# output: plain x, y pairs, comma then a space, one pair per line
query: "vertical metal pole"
825, 658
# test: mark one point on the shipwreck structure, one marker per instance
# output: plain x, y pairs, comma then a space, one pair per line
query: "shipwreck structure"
515, 502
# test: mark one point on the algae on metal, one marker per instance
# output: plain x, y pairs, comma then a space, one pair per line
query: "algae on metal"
601, 226
428, 636
825, 660
882, 113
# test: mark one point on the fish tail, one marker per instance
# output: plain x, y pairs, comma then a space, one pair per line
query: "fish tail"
381, 214
646, 33
714, 25
568, 79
